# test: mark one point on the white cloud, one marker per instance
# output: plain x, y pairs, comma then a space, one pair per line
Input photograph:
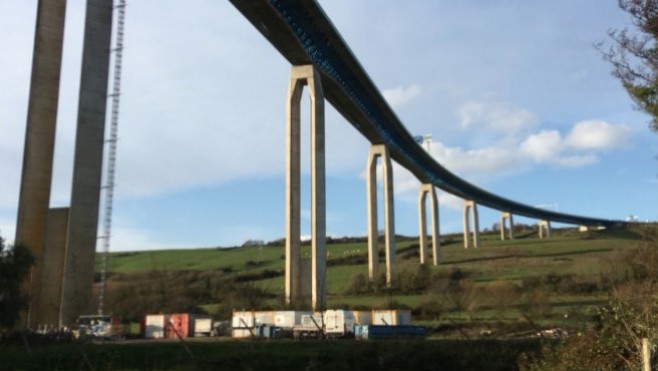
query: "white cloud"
450, 201
578, 148
543, 146
598, 135
492, 159
401, 95
501, 117
574, 161
513, 154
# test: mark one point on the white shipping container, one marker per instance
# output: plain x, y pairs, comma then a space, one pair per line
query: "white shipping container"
287, 319
264, 317
339, 322
202, 326
242, 319
242, 324
314, 320
392, 317
154, 326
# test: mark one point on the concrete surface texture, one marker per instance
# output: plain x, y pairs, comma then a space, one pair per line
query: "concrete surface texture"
40, 143
305, 76
380, 151
425, 189
88, 160
504, 233
54, 248
544, 228
471, 207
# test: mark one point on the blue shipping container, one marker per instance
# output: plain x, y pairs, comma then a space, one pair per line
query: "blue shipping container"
377, 332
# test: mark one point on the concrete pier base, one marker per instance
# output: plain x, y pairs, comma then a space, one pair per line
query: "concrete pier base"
54, 249
426, 189
544, 228
505, 217
39, 144
380, 151
300, 77
88, 161
470, 207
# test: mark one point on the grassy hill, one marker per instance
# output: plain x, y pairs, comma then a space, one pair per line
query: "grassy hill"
549, 282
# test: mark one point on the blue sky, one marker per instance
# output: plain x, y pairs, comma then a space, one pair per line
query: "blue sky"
516, 98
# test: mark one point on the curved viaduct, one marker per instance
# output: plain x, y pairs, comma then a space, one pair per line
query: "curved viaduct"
303, 34
63, 240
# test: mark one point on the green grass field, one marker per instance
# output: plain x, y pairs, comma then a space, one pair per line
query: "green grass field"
498, 277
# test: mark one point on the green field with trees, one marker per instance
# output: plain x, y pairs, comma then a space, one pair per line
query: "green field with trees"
574, 300
503, 288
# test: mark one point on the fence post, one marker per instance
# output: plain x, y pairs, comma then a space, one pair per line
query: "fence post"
646, 355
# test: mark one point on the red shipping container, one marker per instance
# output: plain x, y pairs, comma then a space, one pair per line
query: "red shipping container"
178, 325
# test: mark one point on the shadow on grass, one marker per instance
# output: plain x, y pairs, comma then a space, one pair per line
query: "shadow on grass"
520, 256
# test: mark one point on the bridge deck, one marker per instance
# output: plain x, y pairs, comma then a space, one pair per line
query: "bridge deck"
303, 34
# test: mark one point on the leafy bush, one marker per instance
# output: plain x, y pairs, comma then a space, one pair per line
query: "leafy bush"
15, 264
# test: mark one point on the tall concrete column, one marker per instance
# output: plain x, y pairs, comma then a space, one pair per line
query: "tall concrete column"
425, 189
544, 228
470, 207
40, 143
504, 217
376, 151
301, 76
54, 249
88, 161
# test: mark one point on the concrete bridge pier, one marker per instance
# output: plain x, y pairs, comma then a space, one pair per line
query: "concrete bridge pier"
504, 217
34, 199
87, 163
544, 228
425, 189
301, 76
380, 150
470, 207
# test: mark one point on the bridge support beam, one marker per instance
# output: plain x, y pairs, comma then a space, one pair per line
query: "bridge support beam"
300, 77
39, 145
470, 207
88, 163
544, 228
380, 150
425, 189
504, 217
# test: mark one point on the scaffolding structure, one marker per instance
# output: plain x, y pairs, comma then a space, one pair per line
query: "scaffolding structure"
120, 7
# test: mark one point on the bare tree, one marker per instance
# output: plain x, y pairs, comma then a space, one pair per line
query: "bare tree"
634, 55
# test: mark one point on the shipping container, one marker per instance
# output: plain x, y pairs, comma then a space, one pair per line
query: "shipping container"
154, 326
242, 324
362, 317
383, 332
287, 319
201, 325
264, 317
177, 326
338, 323
391, 317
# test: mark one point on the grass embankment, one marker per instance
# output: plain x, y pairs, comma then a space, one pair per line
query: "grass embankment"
549, 282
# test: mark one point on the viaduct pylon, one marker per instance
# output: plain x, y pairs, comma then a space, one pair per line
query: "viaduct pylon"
294, 288
63, 241
425, 189
380, 151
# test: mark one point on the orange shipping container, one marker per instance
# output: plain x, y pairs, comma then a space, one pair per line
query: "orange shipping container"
178, 325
